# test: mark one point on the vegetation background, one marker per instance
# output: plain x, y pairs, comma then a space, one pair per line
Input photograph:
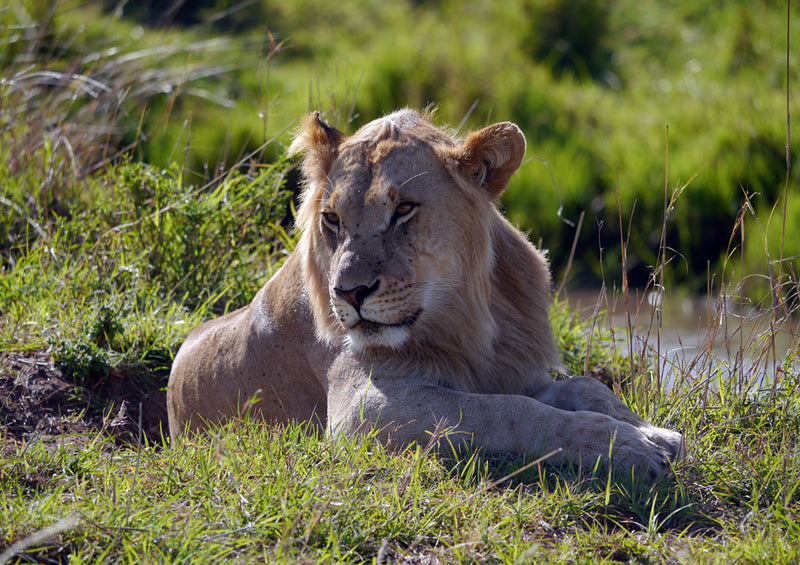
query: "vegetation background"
144, 188
594, 86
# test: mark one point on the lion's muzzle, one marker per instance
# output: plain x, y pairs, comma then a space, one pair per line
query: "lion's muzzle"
355, 297
379, 314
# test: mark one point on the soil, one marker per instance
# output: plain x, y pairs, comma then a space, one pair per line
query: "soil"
39, 403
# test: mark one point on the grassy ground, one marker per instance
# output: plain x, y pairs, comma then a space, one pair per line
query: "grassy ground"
250, 493
106, 262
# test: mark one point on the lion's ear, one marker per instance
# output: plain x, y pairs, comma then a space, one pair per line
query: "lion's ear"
490, 156
321, 145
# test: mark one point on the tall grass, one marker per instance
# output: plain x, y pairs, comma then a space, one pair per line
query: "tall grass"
591, 86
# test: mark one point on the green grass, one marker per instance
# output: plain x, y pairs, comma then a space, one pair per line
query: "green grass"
248, 493
108, 259
594, 88
122, 281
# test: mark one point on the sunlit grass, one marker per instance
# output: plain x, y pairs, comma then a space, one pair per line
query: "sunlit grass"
106, 268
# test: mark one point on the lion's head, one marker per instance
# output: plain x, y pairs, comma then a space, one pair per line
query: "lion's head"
399, 232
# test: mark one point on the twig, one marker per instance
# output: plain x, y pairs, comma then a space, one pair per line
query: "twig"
625, 294
38, 537
571, 254
468, 114
511, 475
788, 152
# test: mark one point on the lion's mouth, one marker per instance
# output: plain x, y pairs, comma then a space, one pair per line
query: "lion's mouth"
371, 327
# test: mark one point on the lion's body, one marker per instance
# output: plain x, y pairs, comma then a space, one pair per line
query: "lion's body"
267, 348
408, 302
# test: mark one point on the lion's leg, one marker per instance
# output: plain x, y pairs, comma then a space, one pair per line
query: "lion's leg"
499, 423
586, 393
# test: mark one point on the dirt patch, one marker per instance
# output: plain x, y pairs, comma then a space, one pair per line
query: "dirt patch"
38, 403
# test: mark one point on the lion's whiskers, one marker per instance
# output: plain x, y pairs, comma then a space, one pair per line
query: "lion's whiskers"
418, 175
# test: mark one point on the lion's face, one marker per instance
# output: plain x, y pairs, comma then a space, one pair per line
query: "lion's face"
398, 242
389, 238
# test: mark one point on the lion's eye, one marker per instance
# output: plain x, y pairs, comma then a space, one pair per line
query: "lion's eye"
404, 209
331, 220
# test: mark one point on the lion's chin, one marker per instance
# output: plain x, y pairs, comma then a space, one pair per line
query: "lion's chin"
372, 335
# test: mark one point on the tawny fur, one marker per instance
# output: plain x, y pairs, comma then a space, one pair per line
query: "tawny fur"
409, 301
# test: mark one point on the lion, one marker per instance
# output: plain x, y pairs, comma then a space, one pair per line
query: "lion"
409, 303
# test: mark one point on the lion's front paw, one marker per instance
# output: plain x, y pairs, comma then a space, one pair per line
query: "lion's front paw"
672, 442
649, 463
633, 447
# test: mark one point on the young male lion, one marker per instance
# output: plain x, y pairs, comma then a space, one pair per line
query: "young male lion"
409, 302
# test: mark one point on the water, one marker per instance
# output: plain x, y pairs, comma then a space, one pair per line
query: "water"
696, 332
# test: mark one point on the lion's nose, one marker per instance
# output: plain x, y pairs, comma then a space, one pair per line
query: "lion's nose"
356, 296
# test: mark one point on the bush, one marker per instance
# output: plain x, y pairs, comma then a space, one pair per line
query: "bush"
573, 36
